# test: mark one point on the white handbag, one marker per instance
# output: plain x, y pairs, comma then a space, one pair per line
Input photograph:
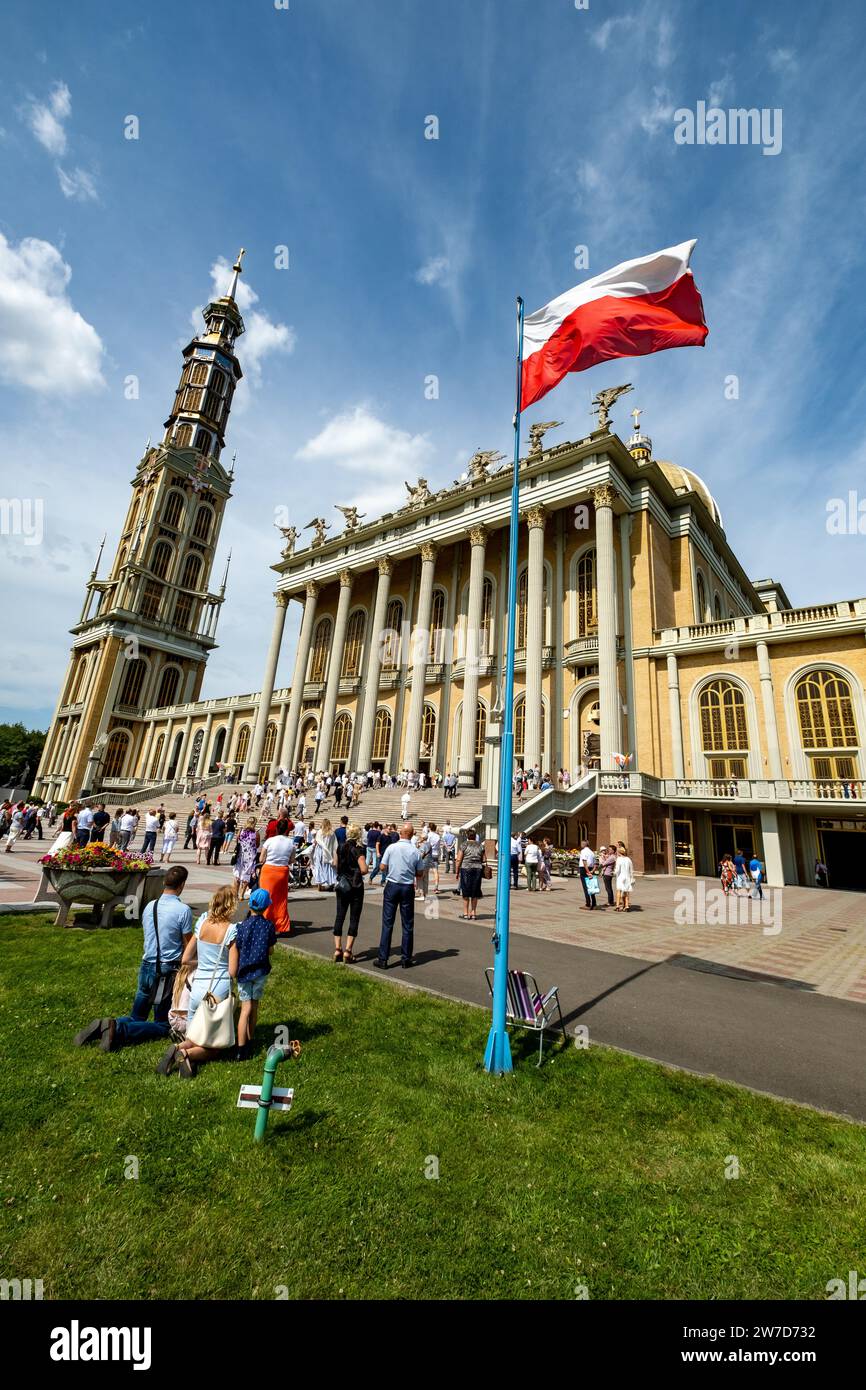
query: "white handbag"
213, 1023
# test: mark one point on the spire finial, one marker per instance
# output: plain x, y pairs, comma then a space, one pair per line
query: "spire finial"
238, 270
635, 415
99, 556
225, 575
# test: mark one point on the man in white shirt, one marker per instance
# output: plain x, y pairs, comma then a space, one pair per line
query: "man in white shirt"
85, 824
405, 801
151, 827
449, 847
16, 825
515, 852
586, 860
434, 845
127, 828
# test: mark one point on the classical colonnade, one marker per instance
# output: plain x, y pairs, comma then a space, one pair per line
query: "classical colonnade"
477, 537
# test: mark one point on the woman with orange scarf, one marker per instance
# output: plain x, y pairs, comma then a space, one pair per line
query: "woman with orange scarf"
275, 858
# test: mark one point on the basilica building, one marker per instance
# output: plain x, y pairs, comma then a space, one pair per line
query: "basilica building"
694, 708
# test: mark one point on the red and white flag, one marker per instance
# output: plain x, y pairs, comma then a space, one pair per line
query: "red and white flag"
639, 307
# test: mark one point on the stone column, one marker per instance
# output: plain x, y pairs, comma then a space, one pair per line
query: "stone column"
625, 524
227, 743
608, 690
257, 742
281, 734
420, 652
535, 518
166, 753
299, 675
472, 655
676, 720
201, 765
370, 688
183, 755
335, 666
145, 751
772, 838
774, 753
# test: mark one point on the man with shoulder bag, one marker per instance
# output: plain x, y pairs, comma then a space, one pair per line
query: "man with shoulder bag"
167, 927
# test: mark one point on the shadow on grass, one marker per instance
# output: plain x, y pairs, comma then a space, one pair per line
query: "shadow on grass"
285, 1126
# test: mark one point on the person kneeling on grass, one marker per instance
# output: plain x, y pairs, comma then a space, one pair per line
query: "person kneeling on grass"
214, 950
255, 941
167, 924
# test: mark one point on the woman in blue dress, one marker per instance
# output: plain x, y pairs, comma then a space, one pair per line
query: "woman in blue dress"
213, 950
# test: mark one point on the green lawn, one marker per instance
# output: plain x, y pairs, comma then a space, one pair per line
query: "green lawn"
599, 1170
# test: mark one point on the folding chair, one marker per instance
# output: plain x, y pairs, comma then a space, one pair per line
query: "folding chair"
527, 1007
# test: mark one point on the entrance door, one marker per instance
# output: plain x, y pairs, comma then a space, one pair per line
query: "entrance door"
684, 845
730, 837
842, 852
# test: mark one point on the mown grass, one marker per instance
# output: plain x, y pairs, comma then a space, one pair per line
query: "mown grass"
599, 1170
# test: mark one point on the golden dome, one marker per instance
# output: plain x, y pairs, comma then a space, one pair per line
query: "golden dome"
684, 480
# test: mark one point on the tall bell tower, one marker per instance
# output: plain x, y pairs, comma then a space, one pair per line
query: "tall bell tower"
146, 629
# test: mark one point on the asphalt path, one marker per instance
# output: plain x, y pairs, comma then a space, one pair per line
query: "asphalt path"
774, 1036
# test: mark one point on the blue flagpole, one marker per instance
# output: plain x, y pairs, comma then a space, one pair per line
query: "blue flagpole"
497, 1056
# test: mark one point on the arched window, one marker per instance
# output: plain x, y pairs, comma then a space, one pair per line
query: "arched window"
219, 748
168, 687
157, 758
130, 691
587, 610
724, 729
354, 646
160, 559
270, 744
203, 523
717, 608
191, 572
523, 605
115, 755
487, 618
342, 738
828, 726
174, 506
151, 600
243, 744
202, 441
701, 599
321, 647
428, 731
382, 734
437, 622
480, 730
520, 729
198, 375
133, 517
392, 636
217, 381
77, 680
182, 436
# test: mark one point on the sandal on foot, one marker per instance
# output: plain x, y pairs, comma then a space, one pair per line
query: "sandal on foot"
185, 1068
338, 955
348, 958
167, 1063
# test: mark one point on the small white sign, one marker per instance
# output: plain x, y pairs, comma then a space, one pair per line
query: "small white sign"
281, 1098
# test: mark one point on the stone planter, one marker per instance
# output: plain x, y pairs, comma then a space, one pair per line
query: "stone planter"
99, 888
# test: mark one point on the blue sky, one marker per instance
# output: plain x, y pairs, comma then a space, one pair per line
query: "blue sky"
262, 127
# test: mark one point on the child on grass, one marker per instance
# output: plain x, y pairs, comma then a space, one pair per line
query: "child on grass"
255, 941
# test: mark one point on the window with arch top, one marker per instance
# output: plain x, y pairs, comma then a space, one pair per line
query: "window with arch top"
342, 738
174, 507
354, 646
392, 635
160, 560
321, 647
828, 725
382, 734
724, 729
168, 687
587, 610
437, 623
701, 598
428, 729
203, 522
523, 608
115, 754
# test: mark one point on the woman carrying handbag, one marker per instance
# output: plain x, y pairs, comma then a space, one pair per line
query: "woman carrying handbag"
211, 1012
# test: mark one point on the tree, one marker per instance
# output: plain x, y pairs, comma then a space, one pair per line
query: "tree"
20, 748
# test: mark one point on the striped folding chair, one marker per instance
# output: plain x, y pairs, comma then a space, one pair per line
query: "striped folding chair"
527, 1007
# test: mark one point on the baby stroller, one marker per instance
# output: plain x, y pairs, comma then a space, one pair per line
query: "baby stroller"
301, 872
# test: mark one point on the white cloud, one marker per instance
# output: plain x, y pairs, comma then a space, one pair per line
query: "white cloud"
45, 344
589, 176
435, 271
46, 119
665, 50
262, 336
368, 448
783, 60
660, 114
78, 185
602, 35
719, 91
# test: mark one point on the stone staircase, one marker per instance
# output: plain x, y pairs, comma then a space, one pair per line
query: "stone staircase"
375, 804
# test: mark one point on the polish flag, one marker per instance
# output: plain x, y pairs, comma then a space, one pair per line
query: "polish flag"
639, 307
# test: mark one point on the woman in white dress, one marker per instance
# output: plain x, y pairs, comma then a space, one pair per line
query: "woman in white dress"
624, 875
324, 857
